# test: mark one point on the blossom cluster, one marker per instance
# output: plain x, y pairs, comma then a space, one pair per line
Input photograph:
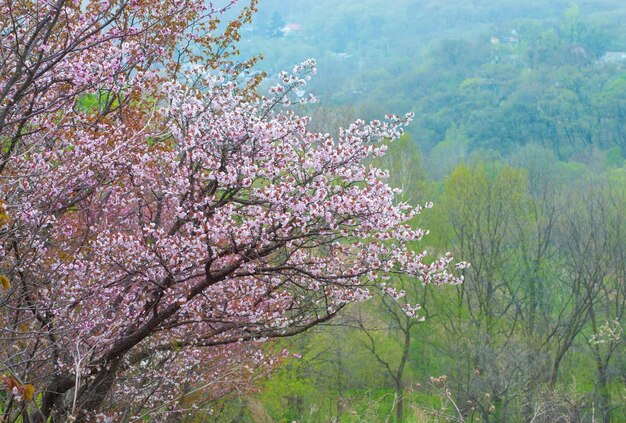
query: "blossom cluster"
165, 222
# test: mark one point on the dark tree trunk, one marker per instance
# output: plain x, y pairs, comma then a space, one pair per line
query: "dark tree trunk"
400, 373
604, 397
91, 397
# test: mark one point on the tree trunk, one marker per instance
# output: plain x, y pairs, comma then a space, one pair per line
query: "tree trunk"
399, 402
602, 390
52, 399
91, 396
400, 372
554, 373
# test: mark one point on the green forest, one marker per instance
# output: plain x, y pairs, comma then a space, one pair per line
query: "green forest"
519, 140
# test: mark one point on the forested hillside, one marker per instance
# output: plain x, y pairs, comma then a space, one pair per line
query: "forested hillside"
519, 140
504, 74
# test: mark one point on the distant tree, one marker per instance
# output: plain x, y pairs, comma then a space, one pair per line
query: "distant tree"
389, 317
453, 52
610, 106
481, 206
594, 241
449, 153
276, 25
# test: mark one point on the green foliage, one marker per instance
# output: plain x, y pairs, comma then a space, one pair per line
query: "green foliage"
450, 152
405, 163
97, 102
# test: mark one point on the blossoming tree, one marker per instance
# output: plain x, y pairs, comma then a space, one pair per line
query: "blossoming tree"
160, 220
